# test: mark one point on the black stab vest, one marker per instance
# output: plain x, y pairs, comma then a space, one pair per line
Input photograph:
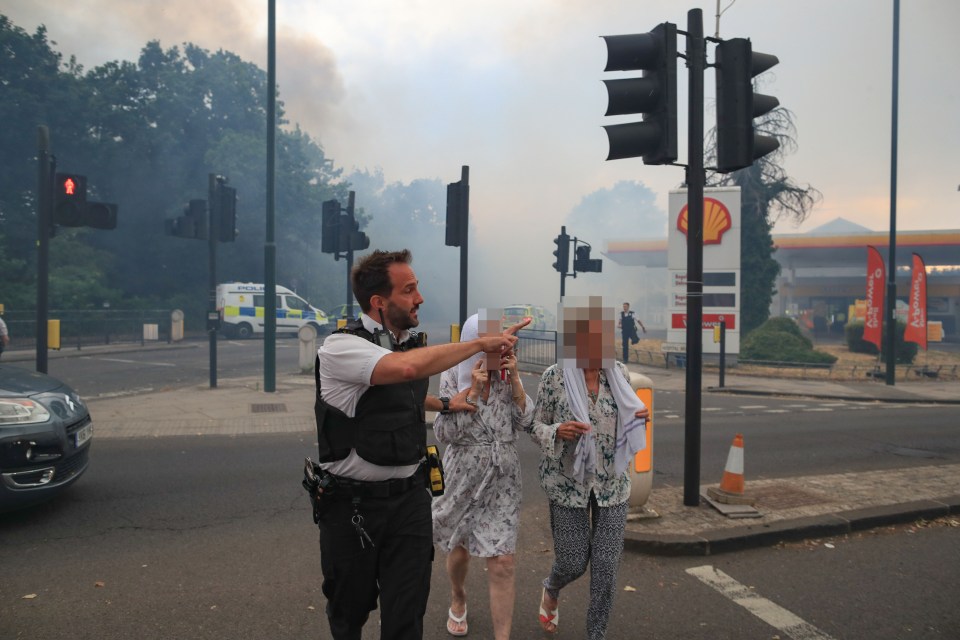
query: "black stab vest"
390, 426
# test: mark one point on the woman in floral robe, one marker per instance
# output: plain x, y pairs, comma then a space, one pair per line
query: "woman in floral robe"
479, 512
588, 423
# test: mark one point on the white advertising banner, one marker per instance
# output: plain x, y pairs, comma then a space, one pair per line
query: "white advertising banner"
721, 267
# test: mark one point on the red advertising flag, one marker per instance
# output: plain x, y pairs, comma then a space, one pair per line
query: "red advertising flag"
917, 315
873, 323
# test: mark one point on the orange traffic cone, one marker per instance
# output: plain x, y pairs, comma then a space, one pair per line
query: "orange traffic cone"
731, 485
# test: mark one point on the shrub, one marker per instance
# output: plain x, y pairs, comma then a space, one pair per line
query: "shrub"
781, 346
787, 325
906, 351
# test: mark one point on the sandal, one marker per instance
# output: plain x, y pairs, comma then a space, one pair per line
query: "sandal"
549, 617
457, 620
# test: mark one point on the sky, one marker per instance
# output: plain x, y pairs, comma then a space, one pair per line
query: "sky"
513, 89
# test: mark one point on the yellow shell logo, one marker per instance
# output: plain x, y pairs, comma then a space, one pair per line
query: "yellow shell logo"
716, 220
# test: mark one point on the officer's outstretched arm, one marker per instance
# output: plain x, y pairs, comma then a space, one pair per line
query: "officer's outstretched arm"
402, 366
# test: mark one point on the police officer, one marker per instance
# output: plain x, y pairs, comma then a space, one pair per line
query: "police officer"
628, 329
374, 515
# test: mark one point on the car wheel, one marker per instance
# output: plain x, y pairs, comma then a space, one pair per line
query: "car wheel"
244, 331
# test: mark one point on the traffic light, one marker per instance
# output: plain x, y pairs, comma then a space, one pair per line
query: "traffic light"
583, 263
653, 94
196, 211
100, 215
192, 224
228, 214
72, 209
330, 233
738, 145
351, 238
562, 251
69, 199
457, 195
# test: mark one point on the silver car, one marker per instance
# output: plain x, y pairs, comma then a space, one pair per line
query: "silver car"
45, 437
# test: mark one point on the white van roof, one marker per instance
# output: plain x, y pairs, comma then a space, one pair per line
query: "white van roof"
250, 287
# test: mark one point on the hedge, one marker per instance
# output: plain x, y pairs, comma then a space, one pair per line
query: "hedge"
906, 351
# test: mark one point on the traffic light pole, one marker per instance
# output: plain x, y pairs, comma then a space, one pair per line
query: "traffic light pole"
270, 245
464, 226
213, 207
45, 168
350, 203
891, 335
696, 61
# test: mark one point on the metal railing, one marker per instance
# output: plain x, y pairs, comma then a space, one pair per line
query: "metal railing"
88, 327
536, 349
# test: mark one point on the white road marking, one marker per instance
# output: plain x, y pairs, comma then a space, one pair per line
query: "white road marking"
777, 411
712, 408
121, 394
669, 415
773, 614
753, 406
809, 409
153, 364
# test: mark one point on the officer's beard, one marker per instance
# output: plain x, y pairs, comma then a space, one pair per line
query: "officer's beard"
401, 319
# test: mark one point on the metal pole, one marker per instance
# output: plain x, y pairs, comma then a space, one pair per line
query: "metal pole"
45, 168
213, 228
563, 267
350, 219
891, 337
696, 60
723, 351
270, 247
464, 238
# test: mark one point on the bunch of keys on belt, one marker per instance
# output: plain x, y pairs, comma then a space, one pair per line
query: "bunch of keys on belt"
357, 522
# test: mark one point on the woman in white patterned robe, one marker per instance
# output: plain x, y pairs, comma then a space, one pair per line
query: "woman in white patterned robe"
479, 512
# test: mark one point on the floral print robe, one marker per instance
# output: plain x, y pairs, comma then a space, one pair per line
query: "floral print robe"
480, 506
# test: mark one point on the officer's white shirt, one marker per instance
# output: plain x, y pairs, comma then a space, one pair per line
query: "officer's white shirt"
346, 367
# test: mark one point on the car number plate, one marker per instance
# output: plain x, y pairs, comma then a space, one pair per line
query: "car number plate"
84, 434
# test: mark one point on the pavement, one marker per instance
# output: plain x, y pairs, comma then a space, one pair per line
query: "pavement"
790, 509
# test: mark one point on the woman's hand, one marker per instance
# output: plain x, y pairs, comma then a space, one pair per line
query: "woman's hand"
479, 382
509, 363
571, 430
642, 413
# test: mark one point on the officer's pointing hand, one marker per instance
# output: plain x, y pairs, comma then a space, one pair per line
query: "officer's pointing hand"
497, 344
512, 330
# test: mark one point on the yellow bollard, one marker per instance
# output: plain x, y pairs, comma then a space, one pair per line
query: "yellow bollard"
341, 323
641, 471
53, 334
454, 333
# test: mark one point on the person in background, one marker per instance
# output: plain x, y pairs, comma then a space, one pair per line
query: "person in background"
4, 336
628, 329
589, 424
479, 512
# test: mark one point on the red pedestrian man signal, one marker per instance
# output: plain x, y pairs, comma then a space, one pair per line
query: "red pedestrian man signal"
71, 209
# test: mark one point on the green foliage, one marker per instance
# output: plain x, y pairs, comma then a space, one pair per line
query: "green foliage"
906, 351
780, 340
147, 134
767, 193
787, 325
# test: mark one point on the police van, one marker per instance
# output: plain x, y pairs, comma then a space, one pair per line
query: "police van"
240, 305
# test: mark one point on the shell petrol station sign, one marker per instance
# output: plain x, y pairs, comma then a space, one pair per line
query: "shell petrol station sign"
721, 268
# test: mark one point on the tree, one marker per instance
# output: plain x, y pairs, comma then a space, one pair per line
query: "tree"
767, 194
147, 134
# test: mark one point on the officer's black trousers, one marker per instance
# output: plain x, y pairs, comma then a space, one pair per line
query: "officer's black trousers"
396, 568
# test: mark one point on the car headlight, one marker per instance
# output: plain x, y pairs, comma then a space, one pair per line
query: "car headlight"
21, 411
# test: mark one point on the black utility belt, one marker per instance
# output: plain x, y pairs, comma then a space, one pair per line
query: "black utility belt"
346, 487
